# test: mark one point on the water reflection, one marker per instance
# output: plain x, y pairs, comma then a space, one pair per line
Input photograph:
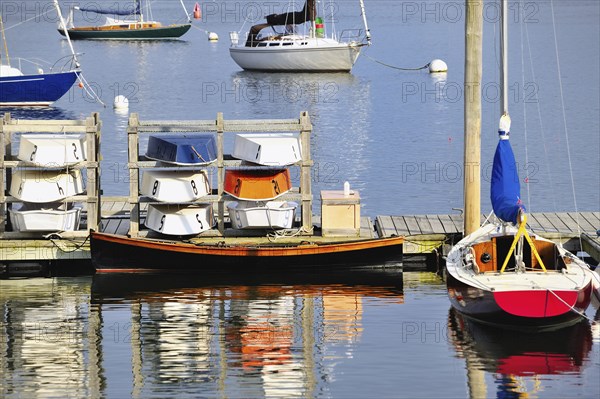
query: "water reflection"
245, 340
152, 336
518, 362
44, 345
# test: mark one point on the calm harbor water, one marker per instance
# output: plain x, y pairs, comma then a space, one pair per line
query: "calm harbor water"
394, 135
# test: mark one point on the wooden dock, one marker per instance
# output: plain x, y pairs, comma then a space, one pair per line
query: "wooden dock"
425, 234
125, 215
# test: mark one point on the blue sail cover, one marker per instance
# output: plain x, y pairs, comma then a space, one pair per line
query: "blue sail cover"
505, 188
135, 10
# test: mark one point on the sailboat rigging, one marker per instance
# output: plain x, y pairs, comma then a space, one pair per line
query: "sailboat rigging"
284, 49
502, 274
126, 24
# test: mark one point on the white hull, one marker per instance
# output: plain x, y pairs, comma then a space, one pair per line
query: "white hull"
52, 150
318, 54
174, 186
272, 215
269, 149
180, 220
32, 217
42, 186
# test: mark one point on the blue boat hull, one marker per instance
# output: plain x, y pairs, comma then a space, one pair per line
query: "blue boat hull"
183, 149
35, 90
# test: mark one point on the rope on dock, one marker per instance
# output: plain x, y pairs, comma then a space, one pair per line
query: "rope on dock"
395, 67
76, 248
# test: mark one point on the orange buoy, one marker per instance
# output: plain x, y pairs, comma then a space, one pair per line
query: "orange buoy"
197, 11
80, 85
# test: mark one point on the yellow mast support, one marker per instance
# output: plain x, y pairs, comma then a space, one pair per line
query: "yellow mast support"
522, 232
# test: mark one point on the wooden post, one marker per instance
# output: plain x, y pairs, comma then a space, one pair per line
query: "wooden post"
3, 140
134, 190
472, 114
220, 174
93, 200
305, 175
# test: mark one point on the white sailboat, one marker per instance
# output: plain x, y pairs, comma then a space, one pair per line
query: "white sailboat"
291, 51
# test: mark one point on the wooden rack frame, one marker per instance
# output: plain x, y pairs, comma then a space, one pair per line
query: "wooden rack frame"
91, 126
219, 126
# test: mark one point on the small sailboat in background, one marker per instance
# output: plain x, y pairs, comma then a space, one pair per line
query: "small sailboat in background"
41, 88
502, 274
133, 26
292, 51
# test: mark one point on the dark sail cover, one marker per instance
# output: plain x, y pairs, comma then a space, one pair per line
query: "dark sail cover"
294, 17
288, 18
135, 10
505, 187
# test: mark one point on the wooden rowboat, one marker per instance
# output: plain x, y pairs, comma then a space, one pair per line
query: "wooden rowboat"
42, 186
270, 215
175, 186
257, 184
269, 149
183, 149
52, 150
45, 217
115, 253
180, 220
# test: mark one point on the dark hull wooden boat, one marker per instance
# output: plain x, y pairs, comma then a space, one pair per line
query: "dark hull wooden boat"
126, 32
257, 184
113, 253
183, 149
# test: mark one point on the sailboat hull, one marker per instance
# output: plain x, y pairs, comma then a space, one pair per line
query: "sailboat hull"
35, 90
525, 300
313, 57
536, 311
164, 32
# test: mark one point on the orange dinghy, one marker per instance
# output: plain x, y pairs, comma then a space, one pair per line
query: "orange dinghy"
256, 184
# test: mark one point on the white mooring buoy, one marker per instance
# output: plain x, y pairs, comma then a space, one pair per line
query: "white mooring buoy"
213, 37
438, 66
121, 102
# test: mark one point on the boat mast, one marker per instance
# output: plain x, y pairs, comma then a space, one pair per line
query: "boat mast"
138, 5
364, 16
472, 114
504, 56
63, 25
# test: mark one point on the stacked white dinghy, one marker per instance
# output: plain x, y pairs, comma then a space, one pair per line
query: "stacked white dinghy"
276, 150
44, 188
175, 188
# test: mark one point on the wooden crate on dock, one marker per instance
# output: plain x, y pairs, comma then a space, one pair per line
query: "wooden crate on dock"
340, 214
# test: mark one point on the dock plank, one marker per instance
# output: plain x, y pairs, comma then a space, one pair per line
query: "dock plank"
436, 224
592, 218
558, 224
458, 221
385, 226
448, 224
424, 224
576, 222
413, 225
401, 226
